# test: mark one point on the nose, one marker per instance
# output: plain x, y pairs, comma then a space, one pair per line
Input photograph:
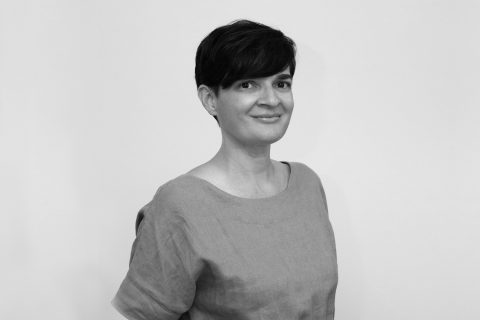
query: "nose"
269, 97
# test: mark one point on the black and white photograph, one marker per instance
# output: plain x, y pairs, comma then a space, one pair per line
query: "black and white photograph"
254, 160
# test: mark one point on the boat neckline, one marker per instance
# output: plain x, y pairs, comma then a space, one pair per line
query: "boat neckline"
220, 191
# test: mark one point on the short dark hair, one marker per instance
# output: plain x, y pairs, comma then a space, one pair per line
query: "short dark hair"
242, 49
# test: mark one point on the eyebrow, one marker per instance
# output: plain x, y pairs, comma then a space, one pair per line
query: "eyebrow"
284, 76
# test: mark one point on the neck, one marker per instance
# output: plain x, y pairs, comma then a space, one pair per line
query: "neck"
244, 162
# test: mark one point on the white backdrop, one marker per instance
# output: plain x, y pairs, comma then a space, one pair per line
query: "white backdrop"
98, 108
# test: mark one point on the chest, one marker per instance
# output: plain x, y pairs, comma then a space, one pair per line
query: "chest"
275, 263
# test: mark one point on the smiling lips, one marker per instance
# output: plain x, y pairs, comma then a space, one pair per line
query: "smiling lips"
267, 117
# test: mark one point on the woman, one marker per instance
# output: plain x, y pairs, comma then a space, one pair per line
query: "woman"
241, 236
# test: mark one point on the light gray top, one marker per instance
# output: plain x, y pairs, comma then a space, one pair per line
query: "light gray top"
201, 253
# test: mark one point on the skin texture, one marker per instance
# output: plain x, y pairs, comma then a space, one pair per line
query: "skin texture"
237, 107
243, 166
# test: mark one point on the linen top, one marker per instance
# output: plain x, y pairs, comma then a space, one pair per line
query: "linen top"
202, 253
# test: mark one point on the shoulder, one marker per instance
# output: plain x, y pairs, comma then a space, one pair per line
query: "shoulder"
174, 193
307, 177
304, 172
171, 204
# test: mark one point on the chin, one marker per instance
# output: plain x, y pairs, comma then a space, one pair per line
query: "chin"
269, 138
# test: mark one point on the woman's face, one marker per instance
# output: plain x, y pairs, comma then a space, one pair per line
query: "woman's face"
256, 111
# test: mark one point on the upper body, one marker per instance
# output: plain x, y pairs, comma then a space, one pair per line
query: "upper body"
203, 253
241, 236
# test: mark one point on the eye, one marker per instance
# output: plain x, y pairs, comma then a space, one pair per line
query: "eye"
246, 84
284, 84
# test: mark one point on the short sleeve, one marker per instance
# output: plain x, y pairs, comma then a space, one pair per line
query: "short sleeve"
160, 283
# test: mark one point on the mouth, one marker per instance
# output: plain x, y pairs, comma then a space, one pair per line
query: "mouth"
268, 118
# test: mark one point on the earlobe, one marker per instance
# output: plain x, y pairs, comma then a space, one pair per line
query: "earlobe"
208, 99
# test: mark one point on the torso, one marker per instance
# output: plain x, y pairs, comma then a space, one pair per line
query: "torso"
202, 253
265, 258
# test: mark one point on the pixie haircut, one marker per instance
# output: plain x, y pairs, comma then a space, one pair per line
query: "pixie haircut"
240, 50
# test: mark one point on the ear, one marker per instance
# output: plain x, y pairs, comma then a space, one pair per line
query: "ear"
208, 99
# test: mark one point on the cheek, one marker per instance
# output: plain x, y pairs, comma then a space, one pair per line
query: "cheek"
235, 106
288, 102
291, 103
231, 116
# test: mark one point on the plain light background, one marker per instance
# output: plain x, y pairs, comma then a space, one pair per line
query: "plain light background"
98, 108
